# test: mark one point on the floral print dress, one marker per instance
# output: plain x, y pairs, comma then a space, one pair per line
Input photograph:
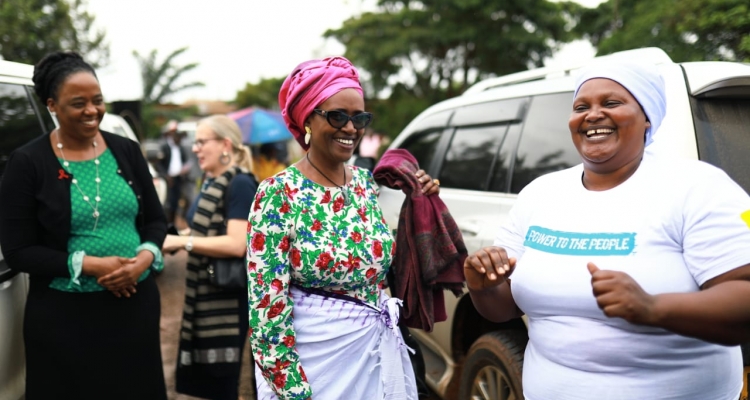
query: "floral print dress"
302, 233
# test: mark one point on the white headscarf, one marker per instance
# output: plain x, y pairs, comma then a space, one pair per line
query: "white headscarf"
643, 81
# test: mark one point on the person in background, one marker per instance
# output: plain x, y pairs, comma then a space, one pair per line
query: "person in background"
633, 269
318, 253
370, 144
175, 167
270, 159
214, 325
80, 215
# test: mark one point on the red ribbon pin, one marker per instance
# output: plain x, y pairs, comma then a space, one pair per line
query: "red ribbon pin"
61, 174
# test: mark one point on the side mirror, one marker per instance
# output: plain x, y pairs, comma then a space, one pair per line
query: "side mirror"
365, 162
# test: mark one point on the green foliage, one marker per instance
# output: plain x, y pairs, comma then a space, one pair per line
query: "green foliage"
264, 94
155, 117
29, 29
393, 113
688, 30
424, 52
160, 77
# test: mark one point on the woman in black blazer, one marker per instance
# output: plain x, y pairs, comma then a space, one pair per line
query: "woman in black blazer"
80, 215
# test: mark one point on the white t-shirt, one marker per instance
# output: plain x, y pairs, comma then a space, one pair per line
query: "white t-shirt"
175, 161
672, 226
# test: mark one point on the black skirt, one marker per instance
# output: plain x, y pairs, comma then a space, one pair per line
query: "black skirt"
93, 345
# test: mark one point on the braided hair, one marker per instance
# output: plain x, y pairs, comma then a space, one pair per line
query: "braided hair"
52, 70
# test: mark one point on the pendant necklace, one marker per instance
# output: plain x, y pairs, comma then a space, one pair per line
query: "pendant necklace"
97, 199
344, 191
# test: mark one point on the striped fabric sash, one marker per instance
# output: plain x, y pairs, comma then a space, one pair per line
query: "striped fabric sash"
210, 334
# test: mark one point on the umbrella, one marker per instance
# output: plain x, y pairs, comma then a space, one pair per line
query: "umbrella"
260, 126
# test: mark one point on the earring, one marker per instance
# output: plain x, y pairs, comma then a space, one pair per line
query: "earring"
225, 159
307, 135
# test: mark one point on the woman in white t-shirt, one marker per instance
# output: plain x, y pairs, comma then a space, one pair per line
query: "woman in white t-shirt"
633, 270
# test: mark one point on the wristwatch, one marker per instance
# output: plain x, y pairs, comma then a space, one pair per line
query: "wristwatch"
189, 244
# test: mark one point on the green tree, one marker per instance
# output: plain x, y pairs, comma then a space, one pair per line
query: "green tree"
423, 52
688, 30
160, 78
29, 29
264, 94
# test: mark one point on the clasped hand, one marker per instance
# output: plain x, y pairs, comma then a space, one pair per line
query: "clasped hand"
119, 275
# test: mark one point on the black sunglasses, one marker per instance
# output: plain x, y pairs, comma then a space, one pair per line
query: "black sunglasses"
338, 119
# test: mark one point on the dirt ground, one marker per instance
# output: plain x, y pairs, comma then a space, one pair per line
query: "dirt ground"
171, 284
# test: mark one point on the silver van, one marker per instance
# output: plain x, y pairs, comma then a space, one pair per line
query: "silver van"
502, 133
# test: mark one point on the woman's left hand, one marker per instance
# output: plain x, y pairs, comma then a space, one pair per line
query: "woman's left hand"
127, 275
429, 186
619, 295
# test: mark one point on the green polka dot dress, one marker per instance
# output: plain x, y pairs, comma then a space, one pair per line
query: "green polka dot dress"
116, 233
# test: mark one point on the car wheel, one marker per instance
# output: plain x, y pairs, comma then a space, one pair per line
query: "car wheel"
493, 366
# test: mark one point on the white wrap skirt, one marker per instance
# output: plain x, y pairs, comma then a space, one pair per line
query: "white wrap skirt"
349, 350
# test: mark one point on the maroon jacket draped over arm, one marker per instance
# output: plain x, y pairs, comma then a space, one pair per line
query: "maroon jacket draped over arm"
430, 251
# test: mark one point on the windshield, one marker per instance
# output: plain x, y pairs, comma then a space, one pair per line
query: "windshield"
722, 127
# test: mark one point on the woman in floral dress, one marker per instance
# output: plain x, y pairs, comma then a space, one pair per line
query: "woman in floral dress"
318, 253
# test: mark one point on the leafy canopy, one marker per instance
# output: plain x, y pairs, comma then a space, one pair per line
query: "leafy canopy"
29, 29
688, 30
417, 53
160, 77
264, 94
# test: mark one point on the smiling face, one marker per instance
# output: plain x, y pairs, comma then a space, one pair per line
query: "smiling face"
331, 144
607, 125
79, 106
208, 147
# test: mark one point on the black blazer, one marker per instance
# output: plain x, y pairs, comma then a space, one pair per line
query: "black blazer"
35, 206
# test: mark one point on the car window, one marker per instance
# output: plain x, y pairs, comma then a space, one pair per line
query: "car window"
18, 120
500, 176
721, 126
545, 145
423, 147
471, 157
490, 112
47, 122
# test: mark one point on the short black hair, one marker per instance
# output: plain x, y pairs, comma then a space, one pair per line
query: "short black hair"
52, 70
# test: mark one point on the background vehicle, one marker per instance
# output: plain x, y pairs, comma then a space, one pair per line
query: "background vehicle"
116, 124
22, 118
502, 133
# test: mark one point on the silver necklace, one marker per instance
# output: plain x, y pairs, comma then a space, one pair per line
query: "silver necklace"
97, 199
344, 191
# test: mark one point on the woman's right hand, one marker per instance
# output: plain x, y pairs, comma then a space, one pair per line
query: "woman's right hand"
102, 266
488, 267
172, 243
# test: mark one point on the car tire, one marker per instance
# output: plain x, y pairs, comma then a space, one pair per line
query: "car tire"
493, 367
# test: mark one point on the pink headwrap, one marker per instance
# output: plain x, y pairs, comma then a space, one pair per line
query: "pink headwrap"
310, 84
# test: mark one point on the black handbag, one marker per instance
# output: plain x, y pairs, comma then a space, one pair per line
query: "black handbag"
228, 273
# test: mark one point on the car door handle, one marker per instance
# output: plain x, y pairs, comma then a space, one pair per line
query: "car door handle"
469, 228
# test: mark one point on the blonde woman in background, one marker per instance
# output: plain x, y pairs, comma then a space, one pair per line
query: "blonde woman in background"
214, 324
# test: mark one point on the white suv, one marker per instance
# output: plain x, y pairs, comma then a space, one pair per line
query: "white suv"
502, 133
